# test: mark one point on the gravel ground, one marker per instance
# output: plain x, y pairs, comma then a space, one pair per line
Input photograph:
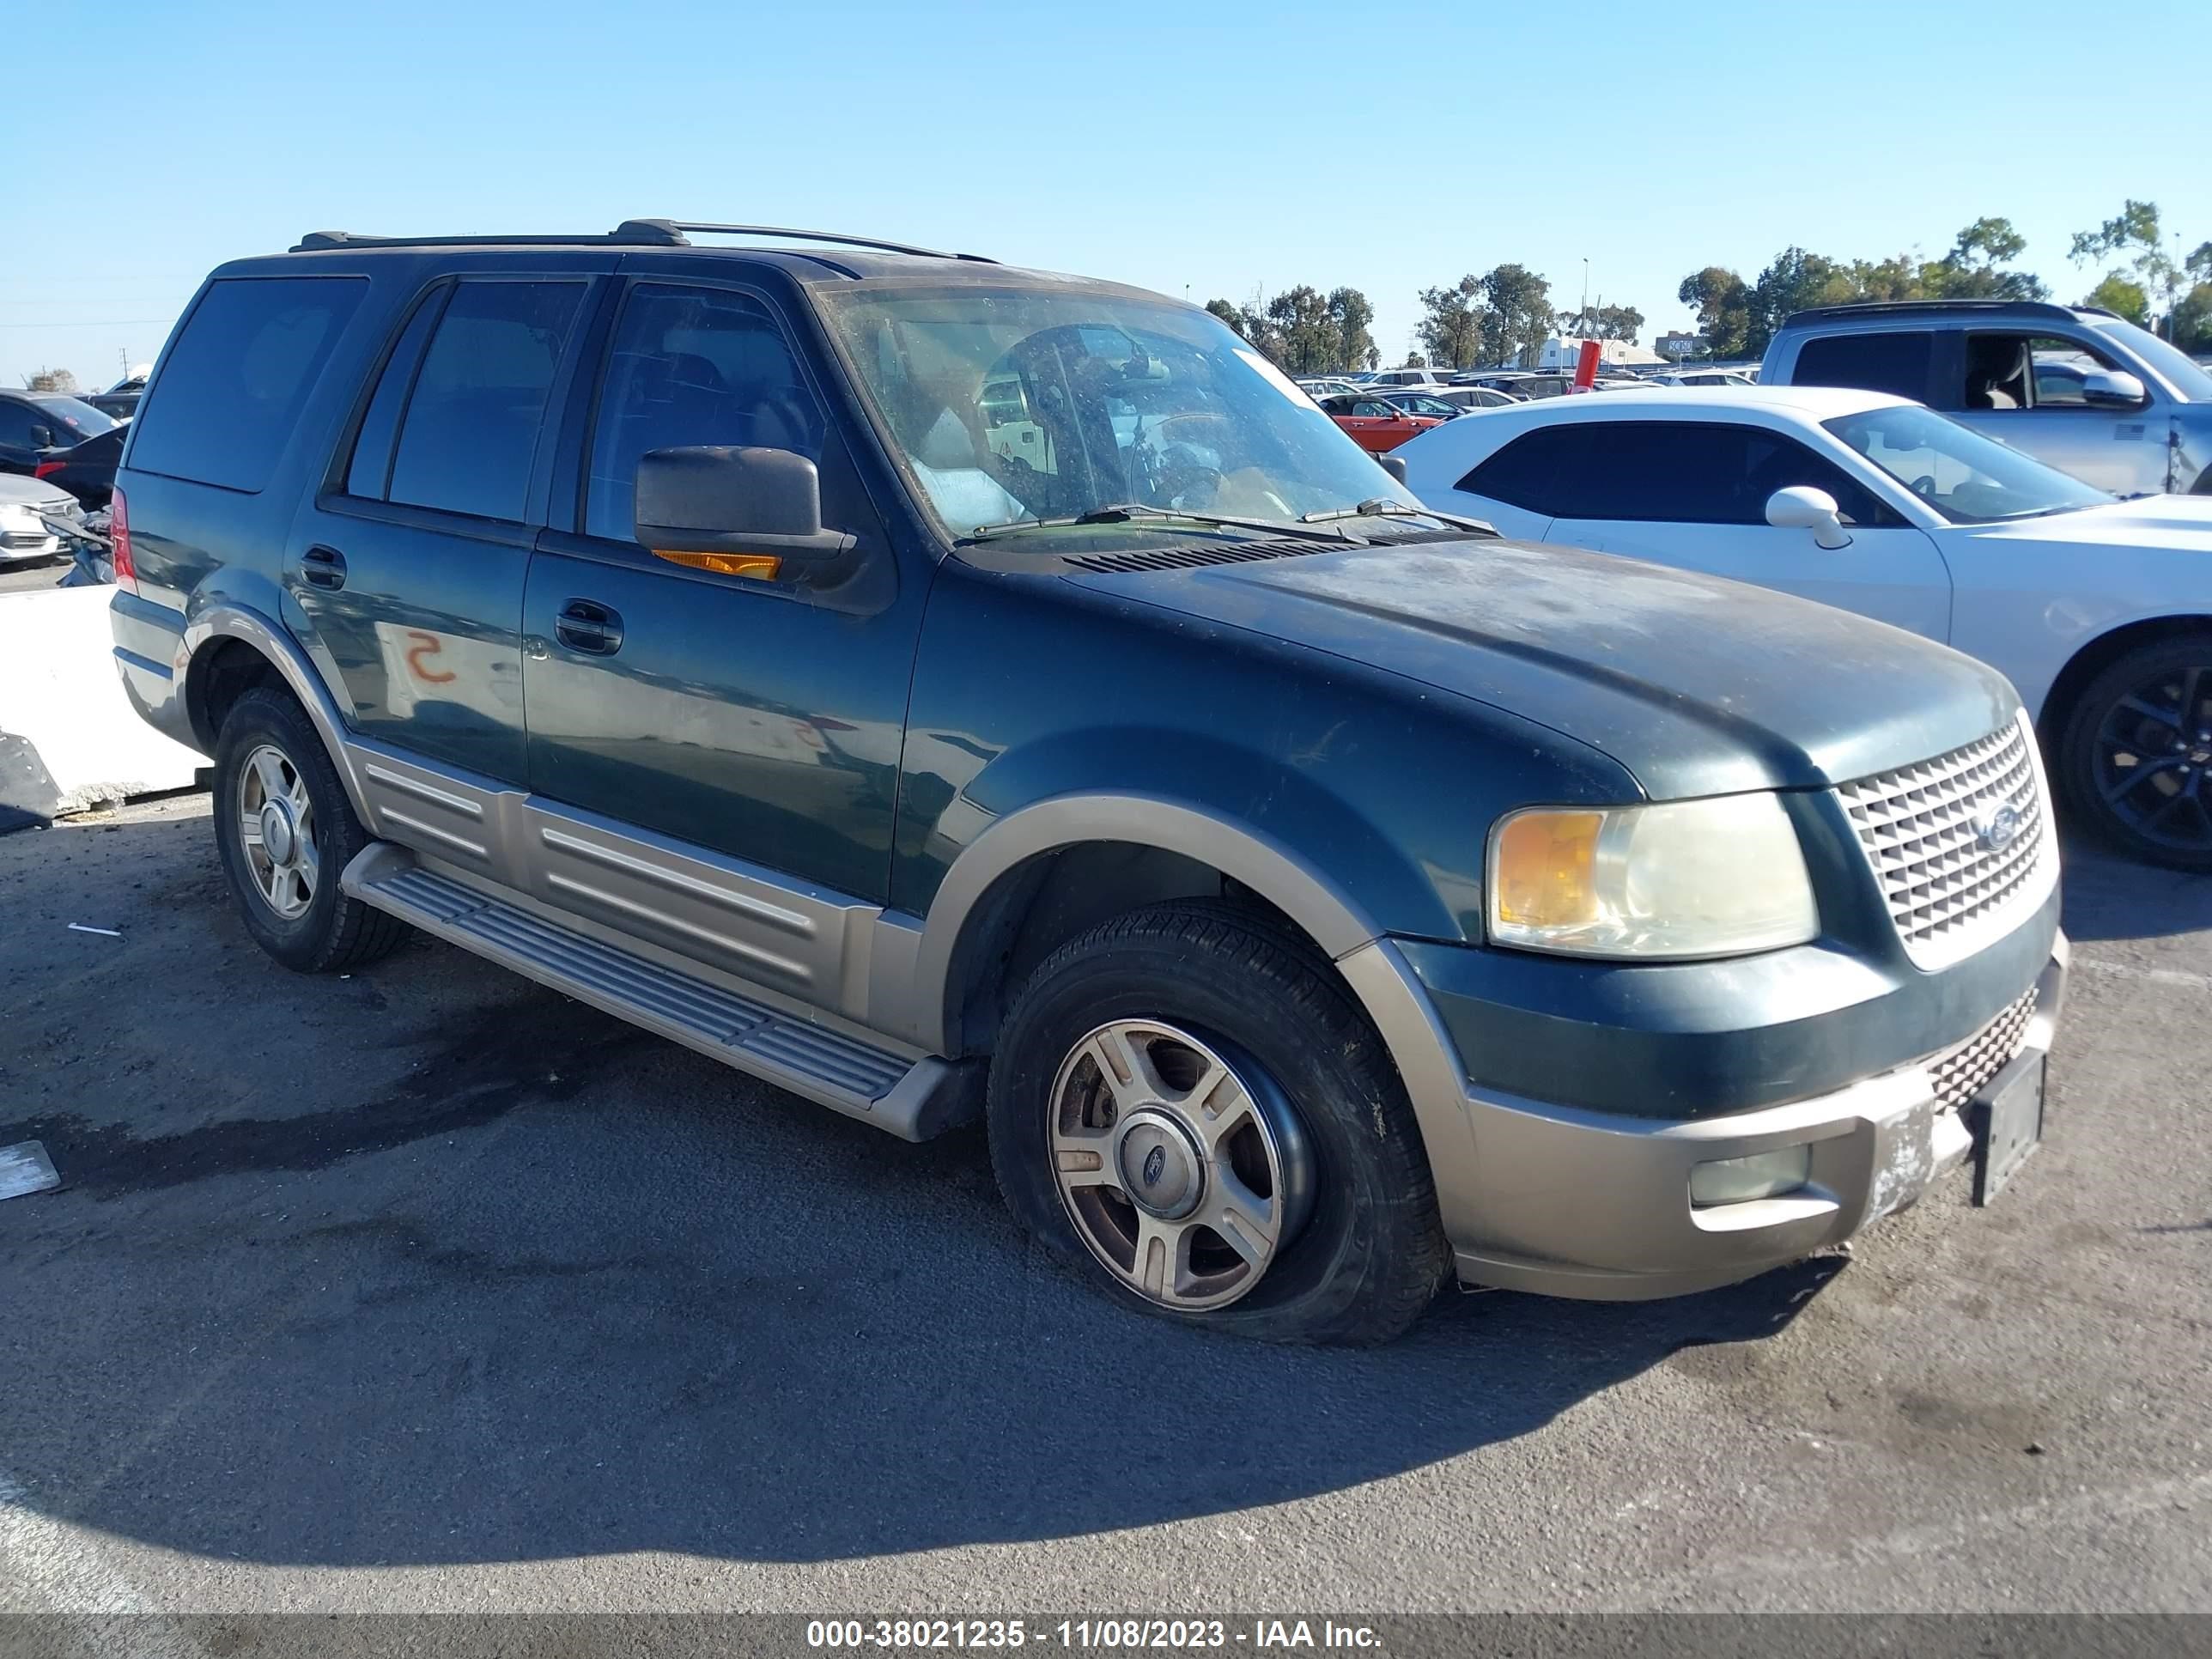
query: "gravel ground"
428, 1289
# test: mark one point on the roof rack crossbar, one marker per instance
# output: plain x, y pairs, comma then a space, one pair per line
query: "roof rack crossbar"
678, 227
1867, 307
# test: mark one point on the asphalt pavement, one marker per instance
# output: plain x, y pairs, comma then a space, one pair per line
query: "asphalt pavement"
428, 1288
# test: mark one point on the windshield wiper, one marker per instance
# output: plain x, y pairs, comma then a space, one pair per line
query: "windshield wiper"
1382, 507
1129, 511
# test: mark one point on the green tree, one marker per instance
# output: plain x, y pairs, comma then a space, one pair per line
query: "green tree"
1352, 313
1451, 326
2134, 240
1310, 341
1228, 313
2117, 293
1517, 314
1971, 269
1722, 303
1603, 322
2192, 319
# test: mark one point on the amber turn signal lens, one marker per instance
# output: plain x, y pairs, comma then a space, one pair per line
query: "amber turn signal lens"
762, 566
1546, 868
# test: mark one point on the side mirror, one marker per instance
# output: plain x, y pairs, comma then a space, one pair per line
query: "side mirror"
42, 437
741, 512
2113, 388
1800, 506
1393, 465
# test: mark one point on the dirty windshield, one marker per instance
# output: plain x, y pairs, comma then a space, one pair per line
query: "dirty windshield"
1016, 405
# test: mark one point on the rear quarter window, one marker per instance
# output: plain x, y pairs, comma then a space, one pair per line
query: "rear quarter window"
233, 384
1899, 362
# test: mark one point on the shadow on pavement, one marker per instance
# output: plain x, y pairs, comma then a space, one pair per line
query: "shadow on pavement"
2108, 897
432, 1266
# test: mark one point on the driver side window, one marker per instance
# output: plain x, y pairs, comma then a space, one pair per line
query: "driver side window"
691, 366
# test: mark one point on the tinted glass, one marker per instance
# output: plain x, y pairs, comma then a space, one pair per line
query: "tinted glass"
1521, 474
2187, 376
236, 378
695, 365
471, 428
371, 466
1665, 471
15, 423
1894, 363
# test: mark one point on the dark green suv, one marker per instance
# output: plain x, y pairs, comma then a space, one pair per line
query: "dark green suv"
940, 689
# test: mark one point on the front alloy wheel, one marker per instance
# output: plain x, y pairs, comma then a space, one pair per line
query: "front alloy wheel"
1183, 1172
2136, 754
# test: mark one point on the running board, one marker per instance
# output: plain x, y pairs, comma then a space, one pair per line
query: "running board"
912, 1099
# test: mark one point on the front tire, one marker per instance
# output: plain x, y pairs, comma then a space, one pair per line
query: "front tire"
1189, 1112
2134, 754
285, 831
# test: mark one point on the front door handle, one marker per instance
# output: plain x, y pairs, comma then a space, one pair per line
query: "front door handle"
324, 566
587, 626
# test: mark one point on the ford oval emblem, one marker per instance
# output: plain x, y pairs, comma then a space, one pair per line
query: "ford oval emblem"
1156, 1164
1998, 830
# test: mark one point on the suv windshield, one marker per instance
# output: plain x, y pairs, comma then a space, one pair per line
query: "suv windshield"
1966, 477
1019, 403
2186, 375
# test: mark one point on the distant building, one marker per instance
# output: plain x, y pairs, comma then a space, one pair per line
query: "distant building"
1563, 351
1675, 347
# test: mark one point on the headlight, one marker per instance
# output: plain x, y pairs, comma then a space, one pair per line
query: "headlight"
1711, 878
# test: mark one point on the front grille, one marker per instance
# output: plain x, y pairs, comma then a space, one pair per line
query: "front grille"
1952, 884
23, 539
1961, 1074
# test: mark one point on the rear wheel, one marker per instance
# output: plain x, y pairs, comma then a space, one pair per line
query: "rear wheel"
286, 831
1189, 1112
2135, 757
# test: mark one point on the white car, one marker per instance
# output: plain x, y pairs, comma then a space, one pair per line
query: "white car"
2099, 610
25, 535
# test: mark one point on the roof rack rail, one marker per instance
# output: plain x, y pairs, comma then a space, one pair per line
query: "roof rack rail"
636, 233
678, 227
1877, 307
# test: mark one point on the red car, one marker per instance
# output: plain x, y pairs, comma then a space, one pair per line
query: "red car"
1376, 424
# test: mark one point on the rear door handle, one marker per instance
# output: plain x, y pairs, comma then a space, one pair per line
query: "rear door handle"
587, 626
324, 566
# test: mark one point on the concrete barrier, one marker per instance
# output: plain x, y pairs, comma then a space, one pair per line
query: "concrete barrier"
69, 738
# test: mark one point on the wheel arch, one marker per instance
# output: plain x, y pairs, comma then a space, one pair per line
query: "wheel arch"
232, 650
2094, 656
1053, 869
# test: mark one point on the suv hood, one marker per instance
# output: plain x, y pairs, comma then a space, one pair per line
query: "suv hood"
1697, 685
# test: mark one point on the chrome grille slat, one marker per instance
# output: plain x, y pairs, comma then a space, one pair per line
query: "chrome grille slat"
1961, 1074
1921, 829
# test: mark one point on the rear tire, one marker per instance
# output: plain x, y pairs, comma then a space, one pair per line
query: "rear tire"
1318, 1171
2134, 754
285, 832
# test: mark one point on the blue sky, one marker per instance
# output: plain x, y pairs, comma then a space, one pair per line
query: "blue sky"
1197, 148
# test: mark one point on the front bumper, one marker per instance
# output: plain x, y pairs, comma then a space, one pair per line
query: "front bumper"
1568, 1201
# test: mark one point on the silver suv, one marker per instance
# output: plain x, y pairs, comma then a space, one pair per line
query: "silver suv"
2078, 386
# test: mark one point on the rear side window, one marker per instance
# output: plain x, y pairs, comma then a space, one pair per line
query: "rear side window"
468, 432
370, 471
1523, 473
1898, 363
235, 380
1667, 473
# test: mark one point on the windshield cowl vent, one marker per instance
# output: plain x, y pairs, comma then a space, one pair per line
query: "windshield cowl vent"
1188, 558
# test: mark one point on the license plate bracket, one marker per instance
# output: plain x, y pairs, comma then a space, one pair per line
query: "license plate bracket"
2007, 1122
